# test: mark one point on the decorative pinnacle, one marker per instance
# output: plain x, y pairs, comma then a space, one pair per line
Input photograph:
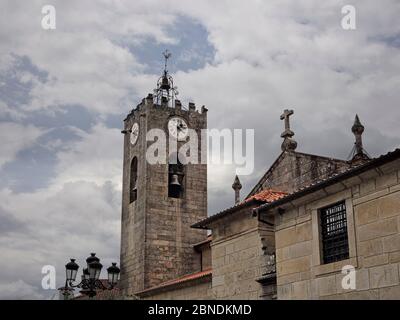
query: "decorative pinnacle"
357, 127
358, 130
288, 143
237, 186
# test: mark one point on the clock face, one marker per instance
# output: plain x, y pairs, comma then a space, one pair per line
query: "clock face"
134, 133
178, 128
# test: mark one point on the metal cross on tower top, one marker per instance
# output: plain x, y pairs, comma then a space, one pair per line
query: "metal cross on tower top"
288, 143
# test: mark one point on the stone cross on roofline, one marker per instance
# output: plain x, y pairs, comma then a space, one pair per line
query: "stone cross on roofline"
285, 116
288, 143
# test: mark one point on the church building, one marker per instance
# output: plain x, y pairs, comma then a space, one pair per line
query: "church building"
313, 227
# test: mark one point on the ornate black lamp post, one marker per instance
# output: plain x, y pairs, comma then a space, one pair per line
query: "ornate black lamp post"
90, 277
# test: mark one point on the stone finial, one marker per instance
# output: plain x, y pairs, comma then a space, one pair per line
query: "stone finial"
237, 186
358, 129
288, 143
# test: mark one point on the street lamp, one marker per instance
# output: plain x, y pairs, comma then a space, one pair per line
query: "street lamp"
94, 267
113, 274
90, 276
71, 269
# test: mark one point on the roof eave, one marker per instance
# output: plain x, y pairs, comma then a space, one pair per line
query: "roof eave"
162, 288
204, 224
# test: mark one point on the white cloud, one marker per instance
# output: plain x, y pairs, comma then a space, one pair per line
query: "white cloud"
97, 157
14, 138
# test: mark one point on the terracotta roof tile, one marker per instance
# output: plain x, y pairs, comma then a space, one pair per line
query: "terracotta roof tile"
267, 195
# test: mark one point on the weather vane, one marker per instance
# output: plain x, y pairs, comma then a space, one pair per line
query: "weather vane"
166, 55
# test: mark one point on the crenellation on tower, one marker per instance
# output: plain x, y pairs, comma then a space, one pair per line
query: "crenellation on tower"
192, 106
178, 104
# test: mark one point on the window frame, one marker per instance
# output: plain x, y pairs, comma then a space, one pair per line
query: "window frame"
326, 259
318, 267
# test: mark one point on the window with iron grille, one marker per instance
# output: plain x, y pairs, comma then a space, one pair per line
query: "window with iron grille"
335, 244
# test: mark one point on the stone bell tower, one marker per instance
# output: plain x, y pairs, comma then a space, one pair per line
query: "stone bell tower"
160, 201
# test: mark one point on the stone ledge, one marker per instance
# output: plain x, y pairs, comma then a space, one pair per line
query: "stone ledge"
334, 267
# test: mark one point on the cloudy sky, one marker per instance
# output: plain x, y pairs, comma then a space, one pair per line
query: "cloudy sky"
65, 92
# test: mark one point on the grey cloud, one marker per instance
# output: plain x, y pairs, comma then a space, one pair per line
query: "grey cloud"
246, 61
9, 223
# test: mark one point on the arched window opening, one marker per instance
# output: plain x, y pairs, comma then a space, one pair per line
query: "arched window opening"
133, 180
175, 178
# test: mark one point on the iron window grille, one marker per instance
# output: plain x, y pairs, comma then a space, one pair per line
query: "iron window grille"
335, 244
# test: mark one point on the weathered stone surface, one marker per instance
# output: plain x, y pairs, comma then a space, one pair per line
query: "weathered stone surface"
362, 279
376, 260
293, 170
362, 295
389, 205
367, 187
370, 247
386, 180
367, 212
298, 233
300, 249
377, 229
294, 265
384, 276
301, 290
156, 237
326, 285
285, 291
390, 293
391, 243
289, 278
394, 257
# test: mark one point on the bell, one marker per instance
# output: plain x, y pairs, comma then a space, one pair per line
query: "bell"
164, 100
165, 84
175, 181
